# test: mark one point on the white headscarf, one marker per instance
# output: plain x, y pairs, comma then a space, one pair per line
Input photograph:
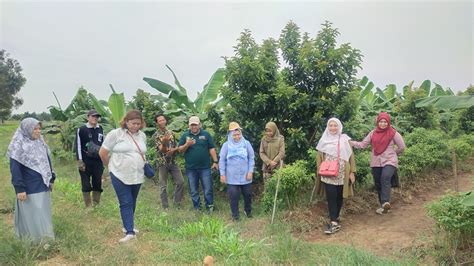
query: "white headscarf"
328, 142
29, 152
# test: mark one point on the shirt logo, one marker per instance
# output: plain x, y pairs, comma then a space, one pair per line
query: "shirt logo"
100, 137
202, 137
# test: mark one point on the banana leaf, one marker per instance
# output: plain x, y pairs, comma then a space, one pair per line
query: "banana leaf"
211, 90
426, 86
99, 106
117, 107
446, 102
366, 90
57, 113
176, 81
159, 85
363, 81
468, 200
437, 90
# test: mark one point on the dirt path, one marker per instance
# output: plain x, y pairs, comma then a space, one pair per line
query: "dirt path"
405, 227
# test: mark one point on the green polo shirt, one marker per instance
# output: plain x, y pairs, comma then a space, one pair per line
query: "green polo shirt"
197, 156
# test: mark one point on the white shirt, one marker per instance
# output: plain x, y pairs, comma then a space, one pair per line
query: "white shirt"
125, 162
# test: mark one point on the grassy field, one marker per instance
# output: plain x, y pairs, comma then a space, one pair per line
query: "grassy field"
90, 236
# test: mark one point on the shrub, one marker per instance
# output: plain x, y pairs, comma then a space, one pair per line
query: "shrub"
452, 215
455, 217
294, 178
426, 149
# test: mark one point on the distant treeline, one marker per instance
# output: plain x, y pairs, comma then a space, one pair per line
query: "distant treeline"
40, 116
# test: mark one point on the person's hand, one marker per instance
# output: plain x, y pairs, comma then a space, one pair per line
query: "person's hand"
190, 142
81, 165
249, 176
223, 179
352, 178
273, 164
170, 152
166, 138
351, 143
21, 196
215, 166
51, 186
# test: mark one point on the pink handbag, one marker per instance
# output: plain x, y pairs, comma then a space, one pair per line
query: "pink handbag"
330, 168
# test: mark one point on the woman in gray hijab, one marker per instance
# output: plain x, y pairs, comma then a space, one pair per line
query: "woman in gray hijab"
32, 178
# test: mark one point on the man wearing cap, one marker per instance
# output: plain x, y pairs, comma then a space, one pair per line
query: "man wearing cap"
89, 138
166, 146
198, 148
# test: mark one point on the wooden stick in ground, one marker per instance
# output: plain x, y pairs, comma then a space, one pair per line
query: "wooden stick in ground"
276, 193
312, 192
275, 199
455, 168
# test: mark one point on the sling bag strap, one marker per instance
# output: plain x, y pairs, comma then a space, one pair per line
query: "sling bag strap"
138, 147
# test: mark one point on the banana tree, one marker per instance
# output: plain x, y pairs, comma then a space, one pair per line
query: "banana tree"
75, 114
179, 103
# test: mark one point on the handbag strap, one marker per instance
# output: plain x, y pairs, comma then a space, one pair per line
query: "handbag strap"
138, 147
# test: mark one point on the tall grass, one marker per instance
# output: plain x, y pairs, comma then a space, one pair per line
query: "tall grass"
89, 236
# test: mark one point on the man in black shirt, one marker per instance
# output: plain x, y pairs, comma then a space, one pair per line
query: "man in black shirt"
89, 138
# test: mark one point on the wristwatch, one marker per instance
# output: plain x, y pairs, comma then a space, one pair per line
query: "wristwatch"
215, 161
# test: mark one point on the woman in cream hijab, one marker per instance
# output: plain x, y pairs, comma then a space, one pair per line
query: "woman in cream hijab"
338, 187
272, 150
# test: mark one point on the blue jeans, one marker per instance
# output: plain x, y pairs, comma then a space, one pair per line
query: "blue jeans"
127, 197
203, 175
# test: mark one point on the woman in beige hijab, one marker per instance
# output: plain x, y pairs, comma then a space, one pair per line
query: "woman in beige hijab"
272, 150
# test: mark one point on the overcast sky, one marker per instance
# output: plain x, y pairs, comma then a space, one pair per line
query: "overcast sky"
62, 46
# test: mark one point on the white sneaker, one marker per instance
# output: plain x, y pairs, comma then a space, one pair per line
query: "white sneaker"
379, 211
127, 238
386, 207
134, 230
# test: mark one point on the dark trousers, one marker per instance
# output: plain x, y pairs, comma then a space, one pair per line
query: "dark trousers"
383, 181
94, 170
334, 198
127, 197
233, 191
174, 171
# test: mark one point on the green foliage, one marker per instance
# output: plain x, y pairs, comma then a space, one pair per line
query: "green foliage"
364, 171
463, 146
456, 219
453, 216
214, 234
466, 120
426, 150
411, 117
314, 84
39, 116
294, 178
148, 105
11, 81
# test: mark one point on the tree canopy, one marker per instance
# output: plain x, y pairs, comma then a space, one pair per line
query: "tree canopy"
11, 81
311, 81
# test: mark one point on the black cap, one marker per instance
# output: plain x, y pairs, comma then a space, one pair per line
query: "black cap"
93, 112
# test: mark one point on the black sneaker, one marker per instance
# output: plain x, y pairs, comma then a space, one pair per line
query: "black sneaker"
248, 214
332, 228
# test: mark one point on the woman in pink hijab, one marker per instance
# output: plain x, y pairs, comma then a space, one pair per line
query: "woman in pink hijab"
386, 144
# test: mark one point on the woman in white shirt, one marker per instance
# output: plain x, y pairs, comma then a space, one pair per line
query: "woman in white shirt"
123, 151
